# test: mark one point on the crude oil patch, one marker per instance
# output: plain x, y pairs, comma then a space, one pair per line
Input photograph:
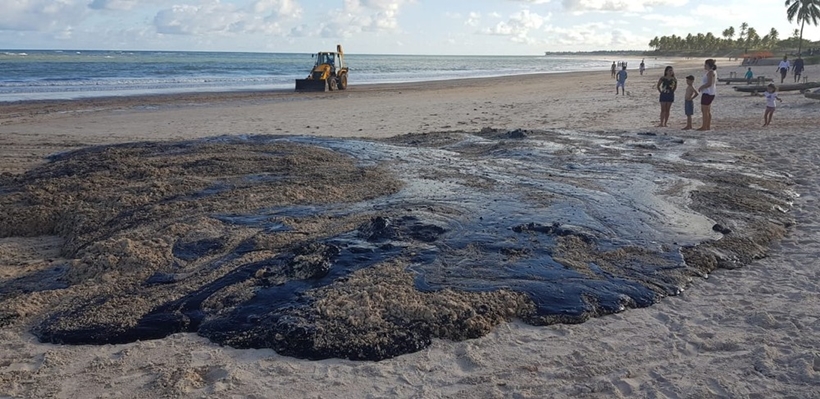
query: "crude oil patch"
320, 247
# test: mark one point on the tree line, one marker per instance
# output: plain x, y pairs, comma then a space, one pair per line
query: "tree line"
801, 11
748, 38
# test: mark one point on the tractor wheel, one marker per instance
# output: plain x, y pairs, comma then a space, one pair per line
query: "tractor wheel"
332, 84
343, 82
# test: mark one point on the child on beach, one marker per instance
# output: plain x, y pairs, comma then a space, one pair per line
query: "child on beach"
771, 97
749, 76
621, 81
689, 101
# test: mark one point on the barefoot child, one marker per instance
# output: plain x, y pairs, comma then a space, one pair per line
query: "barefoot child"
771, 96
621, 81
689, 101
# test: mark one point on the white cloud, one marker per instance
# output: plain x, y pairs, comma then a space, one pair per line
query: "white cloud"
671, 21
532, 1
595, 36
280, 8
473, 19
518, 26
113, 4
393, 5
40, 15
215, 17
357, 16
719, 12
580, 6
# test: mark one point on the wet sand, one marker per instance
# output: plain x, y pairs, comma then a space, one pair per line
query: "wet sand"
750, 332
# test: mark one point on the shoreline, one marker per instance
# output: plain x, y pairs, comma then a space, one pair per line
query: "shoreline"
232, 93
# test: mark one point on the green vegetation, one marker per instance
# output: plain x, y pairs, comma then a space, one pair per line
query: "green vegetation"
748, 40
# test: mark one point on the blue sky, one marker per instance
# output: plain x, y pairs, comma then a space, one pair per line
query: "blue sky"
495, 27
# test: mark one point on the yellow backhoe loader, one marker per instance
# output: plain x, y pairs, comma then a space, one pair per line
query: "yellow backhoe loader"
329, 73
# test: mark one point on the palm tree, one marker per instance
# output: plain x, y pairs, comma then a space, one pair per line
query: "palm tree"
752, 38
743, 27
774, 34
805, 11
655, 43
771, 39
728, 34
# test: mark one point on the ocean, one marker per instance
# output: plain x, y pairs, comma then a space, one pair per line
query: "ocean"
64, 74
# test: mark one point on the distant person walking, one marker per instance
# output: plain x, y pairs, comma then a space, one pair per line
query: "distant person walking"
783, 68
798, 69
667, 84
771, 104
642, 67
707, 91
621, 81
689, 101
613, 69
749, 76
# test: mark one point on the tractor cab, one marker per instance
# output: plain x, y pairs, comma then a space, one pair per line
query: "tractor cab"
332, 59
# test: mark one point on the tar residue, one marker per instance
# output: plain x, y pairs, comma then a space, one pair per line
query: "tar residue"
581, 225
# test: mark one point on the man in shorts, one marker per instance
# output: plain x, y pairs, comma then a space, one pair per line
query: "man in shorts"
621, 81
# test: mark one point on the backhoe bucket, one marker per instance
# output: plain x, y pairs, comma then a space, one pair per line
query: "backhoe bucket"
311, 85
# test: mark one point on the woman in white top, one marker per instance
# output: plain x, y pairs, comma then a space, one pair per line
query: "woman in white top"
707, 93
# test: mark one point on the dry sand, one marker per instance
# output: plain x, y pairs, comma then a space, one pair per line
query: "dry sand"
752, 332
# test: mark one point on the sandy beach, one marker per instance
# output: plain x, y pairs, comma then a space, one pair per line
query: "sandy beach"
749, 332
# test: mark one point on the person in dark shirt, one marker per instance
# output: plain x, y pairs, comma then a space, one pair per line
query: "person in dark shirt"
798, 69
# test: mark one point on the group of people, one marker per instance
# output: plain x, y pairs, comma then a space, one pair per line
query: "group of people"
668, 84
784, 66
623, 65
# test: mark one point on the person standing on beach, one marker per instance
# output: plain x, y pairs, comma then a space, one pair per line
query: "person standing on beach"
667, 85
784, 67
621, 81
689, 101
613, 69
771, 104
642, 67
707, 91
798, 68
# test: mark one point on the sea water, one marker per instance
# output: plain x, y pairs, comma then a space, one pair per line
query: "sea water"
64, 74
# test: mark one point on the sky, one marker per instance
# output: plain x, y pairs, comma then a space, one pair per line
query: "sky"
473, 27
